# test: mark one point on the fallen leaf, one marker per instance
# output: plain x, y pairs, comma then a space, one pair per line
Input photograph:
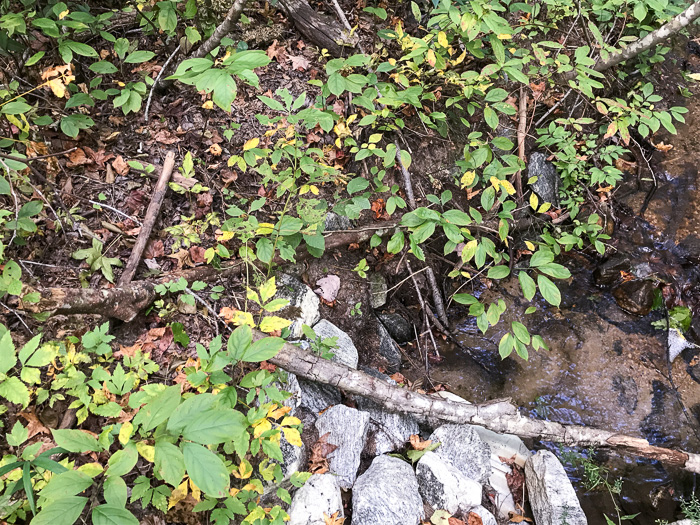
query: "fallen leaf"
183, 258
473, 519
398, 377
154, 249
517, 518
328, 288
185, 182
77, 158
120, 165
318, 463
663, 147
333, 519
215, 150
109, 175
197, 254
300, 63
34, 426
276, 52
166, 137
135, 201
417, 443
228, 176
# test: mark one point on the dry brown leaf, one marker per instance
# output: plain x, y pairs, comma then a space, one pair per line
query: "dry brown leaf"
120, 165
276, 51
77, 158
185, 182
474, 519
517, 518
154, 249
328, 288
333, 519
215, 150
197, 254
34, 426
455, 521
318, 463
299, 63
183, 258
166, 137
663, 147
418, 444
109, 175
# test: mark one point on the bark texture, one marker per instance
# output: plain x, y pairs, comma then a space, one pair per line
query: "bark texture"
500, 415
223, 29
318, 28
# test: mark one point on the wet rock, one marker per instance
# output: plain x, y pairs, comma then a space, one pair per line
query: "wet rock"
345, 351
387, 494
486, 517
388, 349
336, 222
635, 297
462, 447
608, 273
552, 496
547, 184
399, 329
320, 494
348, 430
388, 431
377, 290
303, 305
442, 486
627, 392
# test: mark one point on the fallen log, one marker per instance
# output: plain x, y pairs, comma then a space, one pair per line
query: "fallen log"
500, 416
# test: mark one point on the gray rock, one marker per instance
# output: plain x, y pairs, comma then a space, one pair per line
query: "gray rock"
348, 430
388, 349
387, 494
399, 329
552, 496
388, 431
547, 184
444, 487
293, 457
345, 351
377, 290
303, 303
486, 517
317, 397
462, 447
337, 222
320, 494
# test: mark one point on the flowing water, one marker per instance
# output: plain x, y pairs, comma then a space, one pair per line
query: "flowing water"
606, 367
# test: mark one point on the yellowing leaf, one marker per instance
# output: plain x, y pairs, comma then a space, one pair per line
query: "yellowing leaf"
504, 36
196, 493
91, 469
508, 186
250, 144
126, 432
442, 39
148, 452
244, 470
534, 201
290, 420
177, 495
292, 435
268, 290
430, 58
223, 236
530, 246
265, 228
694, 76
276, 413
208, 105
545, 206
468, 179
63, 14
459, 59
261, 427
273, 323
57, 87
496, 183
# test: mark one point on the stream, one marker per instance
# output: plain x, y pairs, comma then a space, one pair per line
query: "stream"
607, 367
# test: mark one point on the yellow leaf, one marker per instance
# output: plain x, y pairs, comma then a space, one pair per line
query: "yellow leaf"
177, 495
252, 143
314, 189
240, 318
56, 85
265, 228
508, 186
255, 485
305, 188
244, 470
234, 491
292, 435
273, 323
468, 179
223, 236
91, 469
430, 58
530, 246
63, 14
268, 290
544, 207
126, 432
504, 36
694, 76
442, 39
148, 452
351, 119
290, 420
261, 427
534, 201
496, 183
196, 493
208, 105
277, 412
459, 59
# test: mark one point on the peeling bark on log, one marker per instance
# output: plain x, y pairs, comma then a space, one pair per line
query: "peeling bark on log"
499, 416
319, 29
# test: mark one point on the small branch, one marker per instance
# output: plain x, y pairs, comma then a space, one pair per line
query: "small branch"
408, 186
115, 210
18, 316
150, 219
424, 308
555, 106
155, 82
223, 29
522, 132
655, 37
342, 16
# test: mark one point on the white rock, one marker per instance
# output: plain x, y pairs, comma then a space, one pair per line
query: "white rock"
444, 487
387, 494
462, 447
303, 303
348, 430
320, 494
388, 431
345, 351
552, 496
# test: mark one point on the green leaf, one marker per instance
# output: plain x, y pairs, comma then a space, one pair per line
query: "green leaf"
15, 107
498, 272
214, 426
549, 290
506, 345
206, 470
18, 435
336, 84
64, 511
115, 491
396, 243
189, 409
103, 67
491, 117
138, 57
528, 285
112, 515
14, 391
8, 355
357, 184
640, 11
66, 484
496, 95
76, 440
122, 461
521, 332
464, 298
80, 49
169, 462
158, 409
263, 349
540, 257
555, 270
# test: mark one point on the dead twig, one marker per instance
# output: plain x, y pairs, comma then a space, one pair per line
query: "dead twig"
155, 82
522, 130
150, 219
223, 29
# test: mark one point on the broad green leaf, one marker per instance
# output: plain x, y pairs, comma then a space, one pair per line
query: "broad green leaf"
159, 409
64, 511
65, 484
396, 243
521, 332
8, 355
115, 491
214, 426
112, 515
464, 298
555, 270
263, 349
189, 410
76, 440
498, 272
540, 257
549, 290
122, 461
528, 285
506, 345
14, 391
169, 462
138, 57
206, 470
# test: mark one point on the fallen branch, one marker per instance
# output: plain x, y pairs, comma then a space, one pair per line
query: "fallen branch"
223, 29
319, 29
655, 37
150, 219
500, 416
522, 133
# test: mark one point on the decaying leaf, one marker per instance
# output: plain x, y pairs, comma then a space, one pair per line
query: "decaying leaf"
299, 63
517, 518
333, 519
318, 462
120, 165
328, 288
473, 519
418, 444
34, 426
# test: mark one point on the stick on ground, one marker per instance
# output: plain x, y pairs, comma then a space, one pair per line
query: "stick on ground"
150, 220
